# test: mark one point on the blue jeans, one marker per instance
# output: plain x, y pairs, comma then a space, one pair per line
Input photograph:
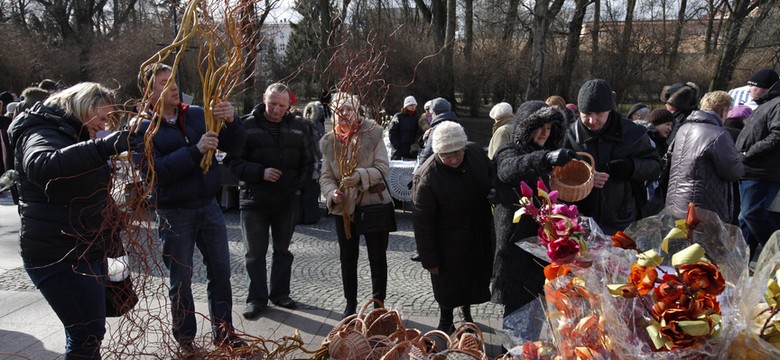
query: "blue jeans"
180, 231
754, 220
255, 227
76, 291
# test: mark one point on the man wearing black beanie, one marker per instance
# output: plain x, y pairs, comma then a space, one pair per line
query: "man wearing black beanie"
624, 157
758, 144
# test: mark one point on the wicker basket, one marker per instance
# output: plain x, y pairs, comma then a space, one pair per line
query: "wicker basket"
574, 181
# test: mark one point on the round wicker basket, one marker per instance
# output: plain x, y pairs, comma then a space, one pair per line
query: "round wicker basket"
574, 181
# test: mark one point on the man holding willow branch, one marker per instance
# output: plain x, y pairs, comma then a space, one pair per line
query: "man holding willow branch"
188, 214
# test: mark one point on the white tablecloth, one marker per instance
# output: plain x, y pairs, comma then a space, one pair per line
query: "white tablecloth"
398, 179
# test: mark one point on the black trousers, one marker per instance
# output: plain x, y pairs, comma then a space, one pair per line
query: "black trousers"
349, 251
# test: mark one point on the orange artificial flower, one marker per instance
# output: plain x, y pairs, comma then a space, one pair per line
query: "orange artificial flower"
669, 290
555, 270
643, 277
621, 240
692, 218
703, 276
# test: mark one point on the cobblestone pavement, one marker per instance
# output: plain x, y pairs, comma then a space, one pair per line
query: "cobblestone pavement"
316, 279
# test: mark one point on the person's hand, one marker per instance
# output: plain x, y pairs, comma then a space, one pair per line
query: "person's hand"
223, 112
620, 169
271, 174
337, 196
434, 270
209, 141
352, 180
560, 157
115, 143
599, 179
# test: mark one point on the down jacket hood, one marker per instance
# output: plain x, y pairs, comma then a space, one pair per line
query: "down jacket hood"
522, 135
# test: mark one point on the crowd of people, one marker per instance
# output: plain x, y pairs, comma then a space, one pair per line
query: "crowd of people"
716, 150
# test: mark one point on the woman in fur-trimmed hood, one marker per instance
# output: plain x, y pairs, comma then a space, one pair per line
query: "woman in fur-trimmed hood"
518, 276
354, 164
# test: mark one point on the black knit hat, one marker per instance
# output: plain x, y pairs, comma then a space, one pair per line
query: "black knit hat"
684, 97
440, 105
660, 116
763, 78
635, 108
595, 96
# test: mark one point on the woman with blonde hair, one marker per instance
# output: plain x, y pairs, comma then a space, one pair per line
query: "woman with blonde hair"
64, 196
704, 161
354, 165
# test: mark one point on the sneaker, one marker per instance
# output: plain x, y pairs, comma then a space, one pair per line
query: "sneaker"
252, 312
415, 257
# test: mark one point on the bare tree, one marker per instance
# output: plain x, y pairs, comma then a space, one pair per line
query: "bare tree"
563, 85
541, 15
744, 19
678, 27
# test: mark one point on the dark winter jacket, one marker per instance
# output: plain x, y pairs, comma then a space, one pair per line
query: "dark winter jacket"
452, 226
759, 140
427, 150
404, 131
518, 276
704, 167
65, 208
292, 154
615, 205
180, 179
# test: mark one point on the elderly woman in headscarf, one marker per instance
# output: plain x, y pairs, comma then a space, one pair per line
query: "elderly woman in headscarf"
518, 276
354, 165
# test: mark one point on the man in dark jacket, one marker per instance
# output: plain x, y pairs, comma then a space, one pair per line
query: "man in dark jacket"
442, 111
623, 154
681, 100
758, 145
187, 210
274, 167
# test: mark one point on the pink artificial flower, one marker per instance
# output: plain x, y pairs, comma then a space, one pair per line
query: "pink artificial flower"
563, 250
540, 185
526, 190
568, 211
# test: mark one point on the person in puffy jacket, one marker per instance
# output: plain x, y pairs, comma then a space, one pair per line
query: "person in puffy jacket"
188, 215
704, 161
69, 221
405, 131
537, 137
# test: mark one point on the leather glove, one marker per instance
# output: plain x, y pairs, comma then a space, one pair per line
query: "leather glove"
352, 180
560, 157
115, 143
620, 169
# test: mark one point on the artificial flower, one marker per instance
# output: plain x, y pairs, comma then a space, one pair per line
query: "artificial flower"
669, 290
563, 250
555, 270
643, 277
623, 241
703, 276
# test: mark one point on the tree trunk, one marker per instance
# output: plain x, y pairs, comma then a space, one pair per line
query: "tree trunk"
673, 53
594, 37
448, 71
542, 18
572, 49
734, 47
472, 90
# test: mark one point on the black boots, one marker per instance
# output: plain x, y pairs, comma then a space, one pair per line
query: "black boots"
446, 318
349, 310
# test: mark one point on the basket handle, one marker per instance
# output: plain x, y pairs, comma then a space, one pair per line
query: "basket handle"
590, 159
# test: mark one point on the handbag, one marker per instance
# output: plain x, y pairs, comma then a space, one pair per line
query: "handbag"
120, 297
375, 218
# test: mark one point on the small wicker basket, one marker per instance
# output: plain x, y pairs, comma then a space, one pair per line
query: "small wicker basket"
574, 181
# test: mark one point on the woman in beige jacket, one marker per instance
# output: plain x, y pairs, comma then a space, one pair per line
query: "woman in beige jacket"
353, 167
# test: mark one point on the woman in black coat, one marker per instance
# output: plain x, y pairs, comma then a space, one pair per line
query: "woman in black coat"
452, 222
64, 203
518, 277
